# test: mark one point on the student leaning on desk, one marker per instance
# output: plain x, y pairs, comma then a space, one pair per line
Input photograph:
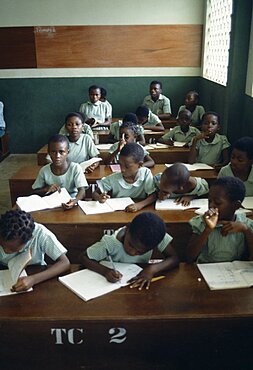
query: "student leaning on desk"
18, 233
133, 243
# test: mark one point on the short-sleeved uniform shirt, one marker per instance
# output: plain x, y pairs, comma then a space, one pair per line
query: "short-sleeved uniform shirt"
110, 244
220, 248
43, 242
153, 120
82, 150
86, 130
211, 153
200, 189
227, 171
115, 146
99, 111
196, 114
142, 187
72, 179
177, 134
160, 106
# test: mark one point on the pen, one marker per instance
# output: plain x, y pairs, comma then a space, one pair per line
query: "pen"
157, 278
111, 261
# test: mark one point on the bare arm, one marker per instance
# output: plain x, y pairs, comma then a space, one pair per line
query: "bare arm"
158, 127
164, 116
148, 162
144, 203
71, 203
225, 159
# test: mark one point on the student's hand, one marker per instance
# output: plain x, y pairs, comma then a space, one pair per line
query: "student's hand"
217, 166
163, 196
90, 121
70, 204
230, 227
185, 200
211, 218
170, 142
53, 188
24, 283
113, 276
143, 279
122, 143
91, 168
132, 208
202, 135
103, 197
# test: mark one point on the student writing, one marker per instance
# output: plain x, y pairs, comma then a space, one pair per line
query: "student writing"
61, 173
158, 103
148, 120
220, 235
134, 243
18, 233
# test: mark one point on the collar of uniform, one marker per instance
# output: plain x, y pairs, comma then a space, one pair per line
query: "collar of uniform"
215, 140
138, 180
96, 104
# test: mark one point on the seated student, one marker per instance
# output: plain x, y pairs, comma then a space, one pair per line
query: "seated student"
241, 163
220, 235
191, 103
209, 147
115, 126
148, 120
96, 113
175, 182
157, 103
127, 135
133, 181
104, 100
183, 133
61, 173
2, 121
18, 233
134, 243
76, 117
81, 146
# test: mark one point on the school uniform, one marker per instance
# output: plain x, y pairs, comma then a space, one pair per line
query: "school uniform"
82, 149
227, 171
43, 242
115, 146
153, 120
142, 186
110, 244
160, 106
72, 179
109, 106
86, 130
99, 111
200, 189
177, 134
196, 114
115, 126
210, 153
2, 121
220, 248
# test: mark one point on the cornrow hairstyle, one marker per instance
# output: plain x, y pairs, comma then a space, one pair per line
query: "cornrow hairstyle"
233, 187
245, 144
133, 150
74, 114
58, 138
16, 224
130, 126
148, 228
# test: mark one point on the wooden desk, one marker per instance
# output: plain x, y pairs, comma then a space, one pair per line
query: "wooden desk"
20, 183
178, 324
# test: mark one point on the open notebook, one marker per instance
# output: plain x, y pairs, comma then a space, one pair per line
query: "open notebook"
93, 207
15, 269
37, 203
193, 167
169, 204
88, 284
88, 163
227, 275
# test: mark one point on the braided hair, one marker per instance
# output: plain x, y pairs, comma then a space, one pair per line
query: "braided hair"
16, 224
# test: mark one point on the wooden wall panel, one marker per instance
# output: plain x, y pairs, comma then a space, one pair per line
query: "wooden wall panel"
17, 47
118, 46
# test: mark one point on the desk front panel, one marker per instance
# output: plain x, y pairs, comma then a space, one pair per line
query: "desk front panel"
178, 324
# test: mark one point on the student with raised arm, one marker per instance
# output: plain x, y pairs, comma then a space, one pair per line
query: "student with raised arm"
184, 132
96, 112
177, 183
18, 233
148, 120
134, 243
61, 173
241, 162
115, 127
133, 181
221, 235
210, 147
128, 134
157, 103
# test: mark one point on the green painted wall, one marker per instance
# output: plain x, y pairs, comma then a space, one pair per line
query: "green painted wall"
35, 108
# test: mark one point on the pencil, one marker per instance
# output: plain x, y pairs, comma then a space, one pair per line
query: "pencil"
157, 278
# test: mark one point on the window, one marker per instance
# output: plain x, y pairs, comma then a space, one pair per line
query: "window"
217, 40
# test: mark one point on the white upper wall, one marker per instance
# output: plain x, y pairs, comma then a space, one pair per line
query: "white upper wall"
99, 12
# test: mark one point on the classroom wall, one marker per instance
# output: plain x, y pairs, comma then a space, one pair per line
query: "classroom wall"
37, 99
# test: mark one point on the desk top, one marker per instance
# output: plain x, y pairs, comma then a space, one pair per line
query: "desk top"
180, 296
